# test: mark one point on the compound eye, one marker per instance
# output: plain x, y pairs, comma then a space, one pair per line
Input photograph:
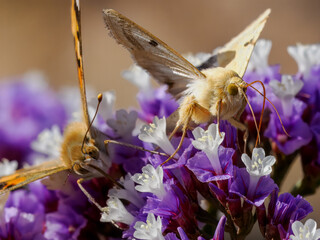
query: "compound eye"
232, 89
93, 152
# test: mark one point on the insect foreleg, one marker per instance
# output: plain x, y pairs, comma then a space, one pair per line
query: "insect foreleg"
239, 125
79, 182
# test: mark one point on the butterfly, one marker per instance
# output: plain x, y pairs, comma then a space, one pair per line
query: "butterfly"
213, 90
82, 143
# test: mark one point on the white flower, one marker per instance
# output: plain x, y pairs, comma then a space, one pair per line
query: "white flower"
150, 180
208, 141
7, 167
306, 56
106, 105
150, 230
49, 142
260, 55
124, 122
156, 133
259, 165
308, 231
139, 77
129, 192
287, 88
116, 212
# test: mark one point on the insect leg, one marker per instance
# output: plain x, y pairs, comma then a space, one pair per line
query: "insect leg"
218, 115
88, 195
239, 125
184, 132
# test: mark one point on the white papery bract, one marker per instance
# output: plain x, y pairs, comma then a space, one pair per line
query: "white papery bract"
151, 229
124, 122
306, 56
106, 105
308, 231
150, 180
116, 212
49, 142
209, 141
156, 133
139, 77
286, 90
259, 165
7, 167
259, 59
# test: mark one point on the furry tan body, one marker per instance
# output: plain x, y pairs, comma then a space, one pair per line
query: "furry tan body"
204, 97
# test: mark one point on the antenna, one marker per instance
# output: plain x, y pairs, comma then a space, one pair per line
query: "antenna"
99, 97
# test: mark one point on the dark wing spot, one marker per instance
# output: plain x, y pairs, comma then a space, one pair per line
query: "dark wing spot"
153, 43
209, 63
247, 43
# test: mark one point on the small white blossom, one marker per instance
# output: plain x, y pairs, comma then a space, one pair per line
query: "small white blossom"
106, 105
124, 122
116, 212
150, 180
139, 77
151, 229
259, 165
7, 167
306, 56
260, 55
156, 133
129, 192
49, 142
209, 141
308, 231
286, 90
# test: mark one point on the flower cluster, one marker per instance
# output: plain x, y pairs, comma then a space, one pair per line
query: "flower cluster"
207, 190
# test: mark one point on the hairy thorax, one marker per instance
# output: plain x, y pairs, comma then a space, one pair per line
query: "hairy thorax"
72, 150
222, 88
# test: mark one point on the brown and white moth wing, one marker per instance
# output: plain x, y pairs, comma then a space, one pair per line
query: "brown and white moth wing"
161, 61
242, 46
27, 175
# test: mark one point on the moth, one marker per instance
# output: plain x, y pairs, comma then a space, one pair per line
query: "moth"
82, 143
214, 90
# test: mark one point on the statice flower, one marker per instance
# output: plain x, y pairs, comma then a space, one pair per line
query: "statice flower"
306, 57
156, 133
286, 91
307, 231
208, 141
151, 180
151, 229
28, 106
116, 212
153, 101
7, 167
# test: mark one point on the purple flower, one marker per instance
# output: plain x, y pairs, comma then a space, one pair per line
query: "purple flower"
298, 130
256, 196
282, 212
27, 106
64, 224
203, 170
23, 217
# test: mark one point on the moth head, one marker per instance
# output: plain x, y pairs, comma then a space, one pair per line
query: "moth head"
77, 147
236, 86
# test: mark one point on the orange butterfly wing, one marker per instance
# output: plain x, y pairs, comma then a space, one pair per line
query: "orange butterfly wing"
27, 175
